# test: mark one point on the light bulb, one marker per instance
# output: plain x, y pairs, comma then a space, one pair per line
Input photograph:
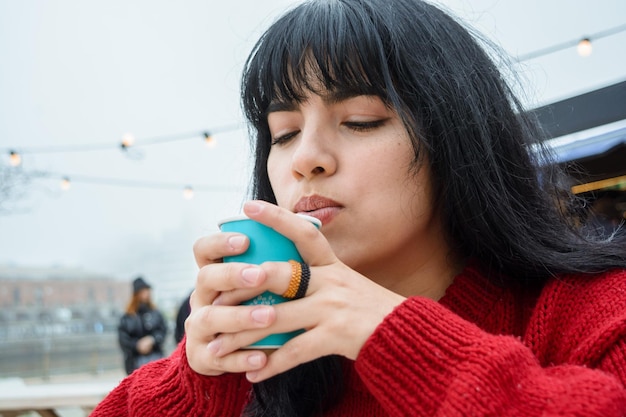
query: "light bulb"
209, 140
188, 193
15, 158
584, 47
65, 184
127, 140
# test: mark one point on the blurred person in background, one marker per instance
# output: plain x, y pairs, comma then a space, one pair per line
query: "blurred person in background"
142, 329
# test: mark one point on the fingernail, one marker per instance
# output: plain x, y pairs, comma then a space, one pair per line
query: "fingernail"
251, 275
214, 346
255, 359
252, 376
253, 207
260, 315
236, 242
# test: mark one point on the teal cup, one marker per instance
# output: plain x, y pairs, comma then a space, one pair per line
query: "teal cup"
266, 244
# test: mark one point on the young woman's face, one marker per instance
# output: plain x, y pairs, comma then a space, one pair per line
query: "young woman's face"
144, 295
347, 161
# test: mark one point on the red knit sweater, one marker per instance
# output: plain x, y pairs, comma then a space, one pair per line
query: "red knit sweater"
480, 351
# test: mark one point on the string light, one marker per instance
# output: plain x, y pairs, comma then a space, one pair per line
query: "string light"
127, 141
65, 183
584, 47
585, 42
209, 140
14, 158
188, 193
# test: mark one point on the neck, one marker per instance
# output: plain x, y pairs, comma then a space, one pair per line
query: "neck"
427, 275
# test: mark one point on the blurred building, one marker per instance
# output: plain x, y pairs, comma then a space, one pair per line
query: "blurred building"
59, 321
60, 295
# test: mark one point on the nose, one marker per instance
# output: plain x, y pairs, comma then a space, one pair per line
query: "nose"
314, 155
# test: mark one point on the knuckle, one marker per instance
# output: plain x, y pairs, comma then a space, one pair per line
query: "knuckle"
277, 215
188, 325
200, 248
270, 268
197, 245
217, 362
292, 350
204, 315
232, 269
202, 276
193, 299
242, 318
192, 323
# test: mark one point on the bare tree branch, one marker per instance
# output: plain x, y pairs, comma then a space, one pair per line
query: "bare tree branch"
14, 185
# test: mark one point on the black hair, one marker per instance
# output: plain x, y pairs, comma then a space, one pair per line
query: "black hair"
502, 202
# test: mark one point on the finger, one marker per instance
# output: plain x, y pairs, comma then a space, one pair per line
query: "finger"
201, 297
204, 353
204, 323
204, 362
214, 279
287, 317
275, 277
311, 244
212, 248
203, 293
195, 328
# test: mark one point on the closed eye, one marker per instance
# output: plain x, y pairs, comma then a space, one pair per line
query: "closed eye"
282, 139
365, 126
353, 125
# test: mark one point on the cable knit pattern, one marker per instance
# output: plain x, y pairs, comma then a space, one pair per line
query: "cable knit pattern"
482, 350
169, 387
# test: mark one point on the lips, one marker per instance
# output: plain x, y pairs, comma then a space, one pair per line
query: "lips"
317, 206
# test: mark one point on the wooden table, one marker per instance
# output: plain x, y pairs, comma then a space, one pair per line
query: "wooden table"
17, 398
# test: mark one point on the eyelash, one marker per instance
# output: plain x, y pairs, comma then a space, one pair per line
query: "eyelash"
355, 126
365, 126
284, 138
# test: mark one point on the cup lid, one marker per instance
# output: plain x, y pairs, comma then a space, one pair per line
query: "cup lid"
239, 217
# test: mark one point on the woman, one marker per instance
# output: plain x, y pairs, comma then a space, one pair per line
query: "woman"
448, 277
142, 328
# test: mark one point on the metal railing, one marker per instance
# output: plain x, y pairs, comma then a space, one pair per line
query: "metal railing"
46, 351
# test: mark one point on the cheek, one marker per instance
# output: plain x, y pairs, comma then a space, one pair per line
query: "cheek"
277, 175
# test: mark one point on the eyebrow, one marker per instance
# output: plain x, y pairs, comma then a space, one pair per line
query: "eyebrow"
332, 97
275, 106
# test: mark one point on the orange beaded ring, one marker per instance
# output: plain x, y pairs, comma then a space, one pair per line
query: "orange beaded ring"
299, 283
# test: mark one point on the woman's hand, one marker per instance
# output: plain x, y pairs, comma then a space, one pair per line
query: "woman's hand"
340, 311
145, 344
207, 320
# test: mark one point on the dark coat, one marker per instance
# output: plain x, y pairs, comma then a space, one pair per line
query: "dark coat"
133, 327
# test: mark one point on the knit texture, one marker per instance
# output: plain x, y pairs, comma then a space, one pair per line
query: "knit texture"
481, 350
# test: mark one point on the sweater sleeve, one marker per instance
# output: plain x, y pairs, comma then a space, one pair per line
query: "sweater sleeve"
169, 387
424, 360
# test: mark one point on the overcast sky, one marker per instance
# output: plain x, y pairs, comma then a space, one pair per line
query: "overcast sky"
84, 73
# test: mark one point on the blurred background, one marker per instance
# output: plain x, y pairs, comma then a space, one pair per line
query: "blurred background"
122, 142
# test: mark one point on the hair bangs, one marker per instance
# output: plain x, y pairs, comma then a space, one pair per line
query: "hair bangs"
327, 47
